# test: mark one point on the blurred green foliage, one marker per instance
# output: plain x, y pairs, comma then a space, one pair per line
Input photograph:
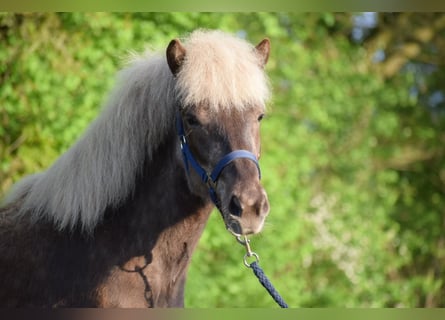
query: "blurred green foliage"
353, 158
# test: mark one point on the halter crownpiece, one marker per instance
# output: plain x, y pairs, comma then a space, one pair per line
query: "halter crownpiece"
210, 179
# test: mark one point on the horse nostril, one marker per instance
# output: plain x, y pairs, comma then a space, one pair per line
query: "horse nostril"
235, 207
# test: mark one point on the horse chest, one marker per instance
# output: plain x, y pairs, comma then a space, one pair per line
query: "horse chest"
140, 283
157, 278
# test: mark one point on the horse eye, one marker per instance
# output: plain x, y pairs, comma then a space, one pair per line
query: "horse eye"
192, 120
261, 117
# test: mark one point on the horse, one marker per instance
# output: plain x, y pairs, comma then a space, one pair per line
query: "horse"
114, 221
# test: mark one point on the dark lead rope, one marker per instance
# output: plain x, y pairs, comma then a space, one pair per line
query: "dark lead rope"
267, 284
259, 273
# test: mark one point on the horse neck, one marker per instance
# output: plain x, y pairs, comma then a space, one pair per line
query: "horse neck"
159, 226
163, 192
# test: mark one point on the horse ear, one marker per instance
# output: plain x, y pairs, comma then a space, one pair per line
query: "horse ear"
263, 50
175, 55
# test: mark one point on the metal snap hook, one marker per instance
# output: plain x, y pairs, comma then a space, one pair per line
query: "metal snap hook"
243, 240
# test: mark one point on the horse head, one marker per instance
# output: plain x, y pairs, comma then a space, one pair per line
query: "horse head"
220, 137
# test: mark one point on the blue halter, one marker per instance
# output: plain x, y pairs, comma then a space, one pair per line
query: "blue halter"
210, 179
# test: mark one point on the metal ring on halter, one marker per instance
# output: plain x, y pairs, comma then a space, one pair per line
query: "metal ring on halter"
248, 255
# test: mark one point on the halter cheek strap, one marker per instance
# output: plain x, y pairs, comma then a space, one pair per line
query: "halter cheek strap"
210, 179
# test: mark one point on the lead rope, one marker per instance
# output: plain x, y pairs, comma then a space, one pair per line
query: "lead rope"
259, 273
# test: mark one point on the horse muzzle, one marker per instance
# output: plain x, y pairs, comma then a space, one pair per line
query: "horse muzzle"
246, 212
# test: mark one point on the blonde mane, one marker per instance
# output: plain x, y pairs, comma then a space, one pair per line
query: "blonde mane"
99, 171
221, 72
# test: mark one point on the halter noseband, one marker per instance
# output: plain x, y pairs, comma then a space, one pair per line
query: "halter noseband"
210, 179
